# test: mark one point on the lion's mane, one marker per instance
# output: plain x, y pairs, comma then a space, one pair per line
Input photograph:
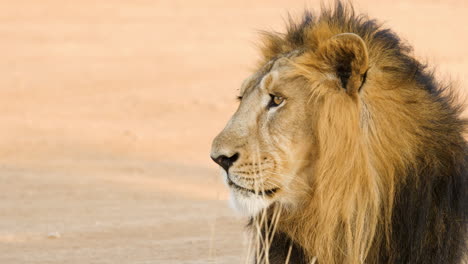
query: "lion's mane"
390, 183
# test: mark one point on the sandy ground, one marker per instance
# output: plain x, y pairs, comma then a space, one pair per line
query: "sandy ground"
108, 111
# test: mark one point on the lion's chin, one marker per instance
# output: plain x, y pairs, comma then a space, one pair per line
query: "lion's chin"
247, 204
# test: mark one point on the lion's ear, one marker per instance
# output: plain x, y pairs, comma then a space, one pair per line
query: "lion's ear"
346, 56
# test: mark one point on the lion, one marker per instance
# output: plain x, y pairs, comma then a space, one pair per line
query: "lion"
345, 149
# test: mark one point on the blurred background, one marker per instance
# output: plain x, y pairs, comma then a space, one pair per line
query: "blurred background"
108, 109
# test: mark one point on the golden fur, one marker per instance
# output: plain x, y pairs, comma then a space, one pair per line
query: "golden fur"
364, 127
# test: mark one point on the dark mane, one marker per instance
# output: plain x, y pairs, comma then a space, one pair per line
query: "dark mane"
341, 16
344, 18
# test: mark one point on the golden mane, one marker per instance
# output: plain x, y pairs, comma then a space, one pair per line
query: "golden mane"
374, 151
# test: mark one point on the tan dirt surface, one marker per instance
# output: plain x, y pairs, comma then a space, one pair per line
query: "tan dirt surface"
108, 109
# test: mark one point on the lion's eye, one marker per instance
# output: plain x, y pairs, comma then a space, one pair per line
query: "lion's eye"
275, 101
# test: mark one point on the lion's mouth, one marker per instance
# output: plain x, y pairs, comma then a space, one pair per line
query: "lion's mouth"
268, 193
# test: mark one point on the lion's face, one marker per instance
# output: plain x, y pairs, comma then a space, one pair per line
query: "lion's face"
268, 141
294, 107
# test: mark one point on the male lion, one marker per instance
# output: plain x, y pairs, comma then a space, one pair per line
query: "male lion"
344, 149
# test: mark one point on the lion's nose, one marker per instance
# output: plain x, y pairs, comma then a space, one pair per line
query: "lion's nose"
224, 161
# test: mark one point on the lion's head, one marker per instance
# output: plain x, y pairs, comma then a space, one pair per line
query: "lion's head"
329, 126
269, 146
